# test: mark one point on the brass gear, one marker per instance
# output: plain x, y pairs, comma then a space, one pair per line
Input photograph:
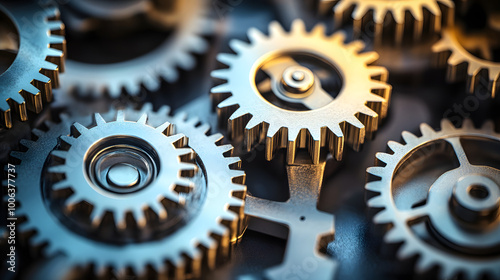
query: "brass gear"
386, 14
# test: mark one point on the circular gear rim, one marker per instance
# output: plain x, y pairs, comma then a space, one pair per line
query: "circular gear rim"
208, 249
177, 173
27, 84
429, 256
382, 8
162, 63
366, 106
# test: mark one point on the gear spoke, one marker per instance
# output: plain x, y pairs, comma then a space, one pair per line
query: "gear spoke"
459, 151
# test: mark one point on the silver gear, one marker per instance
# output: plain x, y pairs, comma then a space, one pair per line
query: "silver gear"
440, 219
204, 239
28, 82
438, 12
190, 22
355, 113
103, 185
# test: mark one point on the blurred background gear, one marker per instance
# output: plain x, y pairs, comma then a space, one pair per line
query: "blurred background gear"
160, 41
32, 50
189, 247
393, 19
306, 90
440, 193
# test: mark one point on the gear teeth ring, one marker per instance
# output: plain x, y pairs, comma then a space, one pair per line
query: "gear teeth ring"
461, 64
435, 247
353, 115
175, 174
201, 243
27, 84
381, 12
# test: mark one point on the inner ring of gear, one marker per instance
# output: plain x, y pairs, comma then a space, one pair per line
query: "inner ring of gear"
201, 243
355, 112
449, 215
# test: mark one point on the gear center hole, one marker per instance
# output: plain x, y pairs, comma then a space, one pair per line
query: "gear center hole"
478, 192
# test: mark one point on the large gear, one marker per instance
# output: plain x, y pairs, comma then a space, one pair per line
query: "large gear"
201, 242
454, 50
28, 82
426, 16
189, 21
121, 174
356, 111
440, 192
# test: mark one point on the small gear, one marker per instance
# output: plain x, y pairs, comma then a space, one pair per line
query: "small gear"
454, 49
37, 59
387, 14
189, 21
299, 112
121, 174
441, 194
200, 242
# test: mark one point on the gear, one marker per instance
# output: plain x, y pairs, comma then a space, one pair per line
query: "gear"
441, 194
190, 22
200, 242
310, 116
123, 175
454, 50
36, 60
377, 12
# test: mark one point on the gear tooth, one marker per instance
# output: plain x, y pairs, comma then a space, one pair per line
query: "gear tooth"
369, 57
396, 147
374, 186
355, 46
119, 218
96, 216
237, 114
159, 210
58, 169
67, 139
275, 29
383, 157
99, 120
139, 217
338, 37
409, 138
298, 26
489, 125
319, 30
26, 143
426, 130
226, 148
72, 201
59, 154
185, 152
440, 46
379, 15
446, 125
120, 116
189, 167
80, 128
216, 138
449, 272
376, 171
238, 46
255, 36
467, 124
18, 155
222, 74
359, 11
61, 185
185, 60
37, 132
38, 77
55, 26
382, 217
376, 202
238, 177
455, 59
165, 128
424, 263
406, 250
143, 119
223, 88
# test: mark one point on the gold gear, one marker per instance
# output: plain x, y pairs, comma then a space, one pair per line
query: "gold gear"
452, 50
439, 12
